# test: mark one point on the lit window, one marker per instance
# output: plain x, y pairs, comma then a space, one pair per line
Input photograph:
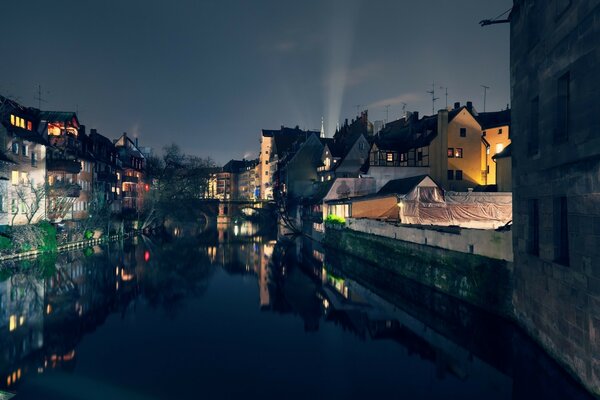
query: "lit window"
450, 152
458, 153
499, 148
389, 157
12, 119
29, 126
23, 177
12, 323
14, 178
22, 123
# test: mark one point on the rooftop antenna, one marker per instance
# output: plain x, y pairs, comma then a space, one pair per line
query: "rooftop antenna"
446, 88
387, 113
485, 88
39, 97
433, 98
404, 109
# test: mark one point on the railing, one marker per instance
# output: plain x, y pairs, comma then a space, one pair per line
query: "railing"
62, 165
64, 189
130, 179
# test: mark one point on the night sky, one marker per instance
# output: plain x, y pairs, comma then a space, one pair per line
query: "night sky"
209, 75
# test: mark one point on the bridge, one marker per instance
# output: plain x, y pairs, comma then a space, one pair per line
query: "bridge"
215, 211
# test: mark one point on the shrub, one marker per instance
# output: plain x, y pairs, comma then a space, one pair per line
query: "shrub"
5, 243
335, 220
88, 234
48, 232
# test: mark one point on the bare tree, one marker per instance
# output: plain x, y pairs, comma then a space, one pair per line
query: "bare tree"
31, 199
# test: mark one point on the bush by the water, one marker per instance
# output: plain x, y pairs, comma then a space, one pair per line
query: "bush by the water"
335, 220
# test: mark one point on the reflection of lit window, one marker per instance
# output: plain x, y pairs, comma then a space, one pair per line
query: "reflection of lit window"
499, 148
12, 323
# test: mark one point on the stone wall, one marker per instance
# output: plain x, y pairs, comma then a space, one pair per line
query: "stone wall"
481, 281
556, 161
483, 242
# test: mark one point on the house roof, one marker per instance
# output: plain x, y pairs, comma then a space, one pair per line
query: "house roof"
58, 116
401, 186
507, 152
236, 166
407, 133
320, 190
5, 159
493, 119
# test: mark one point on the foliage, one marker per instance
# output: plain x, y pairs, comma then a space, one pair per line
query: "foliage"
5, 243
48, 232
27, 237
335, 220
88, 234
31, 197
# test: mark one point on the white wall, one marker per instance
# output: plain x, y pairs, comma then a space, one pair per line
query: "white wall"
383, 175
488, 243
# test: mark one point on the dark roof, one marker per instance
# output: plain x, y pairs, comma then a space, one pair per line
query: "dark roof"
486, 188
407, 133
401, 186
57, 116
335, 148
286, 131
507, 152
4, 158
494, 119
236, 166
320, 190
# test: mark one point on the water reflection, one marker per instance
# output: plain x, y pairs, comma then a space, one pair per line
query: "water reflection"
382, 336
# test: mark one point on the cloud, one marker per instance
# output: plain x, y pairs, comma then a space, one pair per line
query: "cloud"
284, 46
403, 98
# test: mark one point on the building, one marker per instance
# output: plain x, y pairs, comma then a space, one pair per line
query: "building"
274, 144
130, 174
555, 64
65, 199
23, 160
105, 172
455, 147
503, 168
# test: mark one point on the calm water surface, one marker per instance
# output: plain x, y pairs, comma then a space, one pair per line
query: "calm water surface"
237, 314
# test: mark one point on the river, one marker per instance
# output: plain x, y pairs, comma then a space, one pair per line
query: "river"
237, 313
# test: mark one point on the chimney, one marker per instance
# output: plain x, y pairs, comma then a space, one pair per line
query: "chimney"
470, 105
82, 129
457, 105
136, 142
346, 122
415, 115
93, 131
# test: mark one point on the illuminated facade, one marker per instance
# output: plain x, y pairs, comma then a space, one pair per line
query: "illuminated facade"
23, 162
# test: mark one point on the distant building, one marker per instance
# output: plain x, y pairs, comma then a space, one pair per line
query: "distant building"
105, 171
274, 144
555, 64
132, 179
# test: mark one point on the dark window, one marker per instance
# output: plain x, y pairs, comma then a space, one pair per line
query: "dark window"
487, 169
561, 231
420, 156
15, 148
450, 152
463, 132
534, 228
459, 175
458, 153
562, 111
450, 174
33, 160
500, 131
533, 144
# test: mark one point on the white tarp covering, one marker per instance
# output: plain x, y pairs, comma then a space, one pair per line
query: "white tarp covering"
427, 206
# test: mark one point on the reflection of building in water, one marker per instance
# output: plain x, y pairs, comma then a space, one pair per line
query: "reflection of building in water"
247, 257
21, 323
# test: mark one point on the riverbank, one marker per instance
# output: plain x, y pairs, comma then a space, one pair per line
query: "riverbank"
67, 247
482, 281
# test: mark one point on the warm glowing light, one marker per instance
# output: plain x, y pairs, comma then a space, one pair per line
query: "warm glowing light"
12, 323
125, 277
8, 380
19, 373
21, 320
117, 271
48, 309
499, 148
147, 187
69, 356
146, 256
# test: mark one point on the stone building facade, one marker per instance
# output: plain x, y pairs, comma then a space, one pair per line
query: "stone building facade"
555, 64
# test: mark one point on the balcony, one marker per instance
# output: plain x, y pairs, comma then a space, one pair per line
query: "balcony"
64, 189
63, 165
106, 177
130, 179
